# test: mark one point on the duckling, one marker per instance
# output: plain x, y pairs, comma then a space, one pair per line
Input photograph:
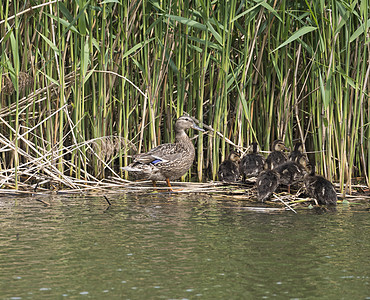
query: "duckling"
298, 150
277, 156
320, 188
267, 182
228, 170
252, 163
292, 172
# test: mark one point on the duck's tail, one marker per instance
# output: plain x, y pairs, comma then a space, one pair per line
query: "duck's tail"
130, 168
139, 171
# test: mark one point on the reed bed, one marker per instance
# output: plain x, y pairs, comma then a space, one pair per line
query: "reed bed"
86, 84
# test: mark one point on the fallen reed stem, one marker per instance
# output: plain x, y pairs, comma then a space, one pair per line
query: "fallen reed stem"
286, 204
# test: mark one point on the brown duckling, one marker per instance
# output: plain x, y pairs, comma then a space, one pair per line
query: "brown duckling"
298, 150
252, 163
277, 156
292, 172
228, 170
320, 188
267, 182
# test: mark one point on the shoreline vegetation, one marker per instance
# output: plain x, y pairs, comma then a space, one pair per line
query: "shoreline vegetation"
87, 84
241, 196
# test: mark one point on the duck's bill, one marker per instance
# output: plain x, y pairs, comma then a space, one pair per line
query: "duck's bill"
195, 126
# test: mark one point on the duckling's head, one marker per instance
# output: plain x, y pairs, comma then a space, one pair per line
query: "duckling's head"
310, 168
186, 122
298, 147
233, 156
278, 145
303, 161
253, 148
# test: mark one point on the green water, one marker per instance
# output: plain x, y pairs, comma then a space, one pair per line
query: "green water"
179, 247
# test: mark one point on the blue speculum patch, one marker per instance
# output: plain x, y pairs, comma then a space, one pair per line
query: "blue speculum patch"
155, 161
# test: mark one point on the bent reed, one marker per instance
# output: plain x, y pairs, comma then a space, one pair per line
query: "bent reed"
86, 84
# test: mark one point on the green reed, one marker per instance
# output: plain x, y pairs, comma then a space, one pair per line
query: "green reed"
111, 77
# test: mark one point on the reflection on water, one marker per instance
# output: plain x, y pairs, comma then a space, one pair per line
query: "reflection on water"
179, 247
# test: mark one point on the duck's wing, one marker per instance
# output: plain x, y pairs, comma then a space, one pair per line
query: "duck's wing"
228, 171
162, 153
276, 158
325, 191
251, 162
267, 183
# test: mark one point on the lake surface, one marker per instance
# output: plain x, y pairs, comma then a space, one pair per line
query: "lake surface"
160, 246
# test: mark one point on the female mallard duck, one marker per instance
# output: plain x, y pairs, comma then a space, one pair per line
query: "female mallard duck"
298, 150
277, 156
292, 172
167, 161
228, 170
320, 188
252, 163
267, 182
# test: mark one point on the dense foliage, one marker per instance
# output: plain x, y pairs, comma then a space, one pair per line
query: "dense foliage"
85, 83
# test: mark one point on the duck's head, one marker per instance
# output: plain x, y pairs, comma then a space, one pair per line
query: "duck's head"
303, 161
278, 145
253, 148
185, 122
298, 147
311, 169
233, 156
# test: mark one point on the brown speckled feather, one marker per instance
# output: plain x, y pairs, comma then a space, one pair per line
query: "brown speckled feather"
167, 161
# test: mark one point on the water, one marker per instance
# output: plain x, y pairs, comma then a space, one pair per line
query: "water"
179, 247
